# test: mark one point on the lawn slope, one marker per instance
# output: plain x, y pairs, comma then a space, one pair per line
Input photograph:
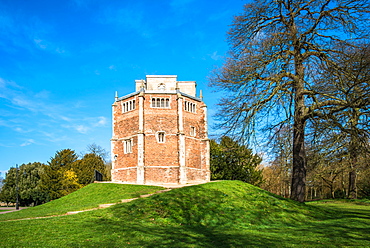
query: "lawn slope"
216, 214
226, 203
86, 198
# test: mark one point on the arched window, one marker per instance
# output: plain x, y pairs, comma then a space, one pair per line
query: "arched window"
189, 106
158, 102
128, 106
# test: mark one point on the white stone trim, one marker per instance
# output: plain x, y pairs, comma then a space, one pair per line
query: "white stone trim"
161, 166
127, 146
128, 105
158, 102
126, 168
140, 143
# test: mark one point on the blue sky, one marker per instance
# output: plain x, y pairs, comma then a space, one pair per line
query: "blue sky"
62, 61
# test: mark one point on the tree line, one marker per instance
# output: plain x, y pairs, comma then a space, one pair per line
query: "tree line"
328, 169
65, 172
37, 183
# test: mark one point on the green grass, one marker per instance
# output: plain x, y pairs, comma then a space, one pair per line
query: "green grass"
86, 198
218, 214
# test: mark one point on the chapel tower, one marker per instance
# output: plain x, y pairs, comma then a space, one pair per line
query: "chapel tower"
160, 134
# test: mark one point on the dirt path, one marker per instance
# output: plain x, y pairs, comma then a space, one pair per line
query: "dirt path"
10, 209
92, 209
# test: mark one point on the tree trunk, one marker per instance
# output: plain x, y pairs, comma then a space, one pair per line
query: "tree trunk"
353, 154
332, 191
352, 189
298, 190
299, 164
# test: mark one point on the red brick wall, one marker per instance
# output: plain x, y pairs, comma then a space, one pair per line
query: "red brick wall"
161, 160
156, 120
126, 175
161, 154
162, 175
194, 175
125, 126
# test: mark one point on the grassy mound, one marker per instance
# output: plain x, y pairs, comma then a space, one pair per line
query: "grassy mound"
88, 197
226, 203
216, 214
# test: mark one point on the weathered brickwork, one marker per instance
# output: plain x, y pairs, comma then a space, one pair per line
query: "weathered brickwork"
161, 154
155, 175
160, 134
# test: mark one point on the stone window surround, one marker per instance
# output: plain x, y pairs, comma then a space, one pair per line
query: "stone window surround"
128, 106
193, 131
190, 107
160, 102
127, 146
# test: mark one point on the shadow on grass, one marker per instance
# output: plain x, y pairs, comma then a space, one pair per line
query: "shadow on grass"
202, 216
144, 235
150, 235
153, 223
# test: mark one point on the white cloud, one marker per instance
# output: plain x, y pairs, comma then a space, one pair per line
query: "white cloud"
215, 56
81, 129
48, 46
40, 43
32, 33
8, 88
112, 67
28, 142
102, 121
52, 137
36, 116
60, 50
21, 130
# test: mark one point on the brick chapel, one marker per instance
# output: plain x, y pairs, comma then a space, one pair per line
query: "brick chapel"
160, 133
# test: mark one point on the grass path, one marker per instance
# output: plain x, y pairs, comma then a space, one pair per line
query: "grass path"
101, 206
92, 197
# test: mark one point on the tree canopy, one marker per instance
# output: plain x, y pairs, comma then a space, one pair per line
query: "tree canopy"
65, 172
278, 51
29, 188
233, 161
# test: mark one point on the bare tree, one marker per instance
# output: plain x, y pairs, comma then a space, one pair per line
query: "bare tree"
277, 51
98, 150
348, 79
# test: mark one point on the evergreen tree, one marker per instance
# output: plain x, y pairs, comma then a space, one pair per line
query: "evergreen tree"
233, 161
8, 191
85, 168
1, 181
29, 181
54, 180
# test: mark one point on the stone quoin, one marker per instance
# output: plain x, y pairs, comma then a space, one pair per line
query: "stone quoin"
160, 133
